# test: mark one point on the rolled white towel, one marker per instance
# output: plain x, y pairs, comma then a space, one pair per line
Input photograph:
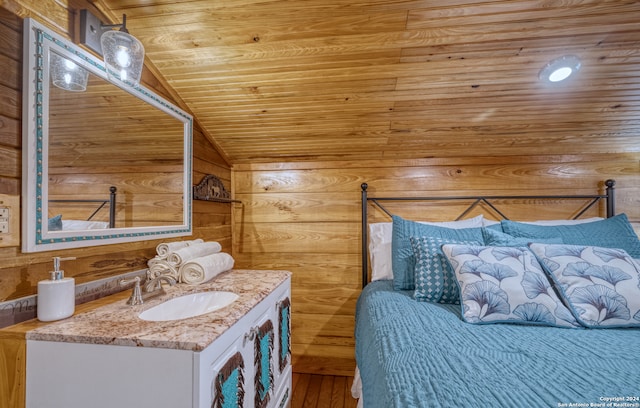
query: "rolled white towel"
162, 267
205, 268
182, 255
165, 248
155, 260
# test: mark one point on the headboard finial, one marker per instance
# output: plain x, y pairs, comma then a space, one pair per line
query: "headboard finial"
364, 186
610, 183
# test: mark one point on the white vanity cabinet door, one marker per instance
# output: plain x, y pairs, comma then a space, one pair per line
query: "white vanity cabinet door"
282, 350
248, 351
231, 377
282, 356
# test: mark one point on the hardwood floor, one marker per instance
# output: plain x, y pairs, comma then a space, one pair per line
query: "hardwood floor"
320, 391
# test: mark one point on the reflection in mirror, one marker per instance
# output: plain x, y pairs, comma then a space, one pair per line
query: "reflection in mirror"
106, 137
66, 75
115, 139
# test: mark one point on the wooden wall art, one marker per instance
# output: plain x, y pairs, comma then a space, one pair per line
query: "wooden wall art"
211, 188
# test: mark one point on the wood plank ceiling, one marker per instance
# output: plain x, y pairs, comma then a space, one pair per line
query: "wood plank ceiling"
283, 80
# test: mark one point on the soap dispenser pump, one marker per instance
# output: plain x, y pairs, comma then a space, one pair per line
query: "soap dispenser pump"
56, 295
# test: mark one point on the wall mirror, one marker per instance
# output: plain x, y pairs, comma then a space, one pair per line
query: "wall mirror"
103, 162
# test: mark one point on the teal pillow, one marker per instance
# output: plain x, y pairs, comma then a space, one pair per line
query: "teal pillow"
434, 279
403, 261
614, 232
492, 237
494, 227
55, 223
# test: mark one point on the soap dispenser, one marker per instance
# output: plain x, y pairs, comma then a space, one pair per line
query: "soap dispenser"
56, 295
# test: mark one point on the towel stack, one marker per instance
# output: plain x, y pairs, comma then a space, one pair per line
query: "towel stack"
191, 262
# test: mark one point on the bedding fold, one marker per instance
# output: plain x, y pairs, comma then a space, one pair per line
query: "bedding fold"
419, 354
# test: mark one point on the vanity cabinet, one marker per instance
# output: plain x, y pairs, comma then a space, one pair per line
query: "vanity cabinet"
248, 365
249, 371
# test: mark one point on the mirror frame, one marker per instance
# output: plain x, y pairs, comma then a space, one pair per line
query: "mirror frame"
38, 42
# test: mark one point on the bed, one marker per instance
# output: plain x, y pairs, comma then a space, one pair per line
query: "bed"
68, 213
445, 343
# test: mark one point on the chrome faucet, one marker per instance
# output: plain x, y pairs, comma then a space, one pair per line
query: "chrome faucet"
152, 288
155, 285
136, 294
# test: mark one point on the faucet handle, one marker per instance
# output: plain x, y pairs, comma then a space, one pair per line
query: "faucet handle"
136, 293
156, 283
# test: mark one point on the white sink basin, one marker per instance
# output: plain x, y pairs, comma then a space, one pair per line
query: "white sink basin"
191, 305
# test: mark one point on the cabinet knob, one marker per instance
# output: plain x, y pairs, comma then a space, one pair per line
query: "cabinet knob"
250, 335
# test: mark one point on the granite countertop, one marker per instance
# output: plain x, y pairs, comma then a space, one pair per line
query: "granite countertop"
118, 323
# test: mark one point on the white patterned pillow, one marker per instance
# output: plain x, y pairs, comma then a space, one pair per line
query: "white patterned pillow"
600, 285
433, 278
505, 285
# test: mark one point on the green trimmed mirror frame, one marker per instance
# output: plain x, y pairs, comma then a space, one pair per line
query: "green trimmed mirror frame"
104, 163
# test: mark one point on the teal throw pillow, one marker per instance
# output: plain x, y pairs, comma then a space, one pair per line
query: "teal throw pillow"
614, 232
402, 259
55, 223
434, 280
492, 237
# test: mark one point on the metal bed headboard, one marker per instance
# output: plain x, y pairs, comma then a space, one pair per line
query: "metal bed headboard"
111, 201
608, 197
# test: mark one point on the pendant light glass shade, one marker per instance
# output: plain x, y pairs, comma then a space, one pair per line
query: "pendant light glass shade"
123, 56
67, 75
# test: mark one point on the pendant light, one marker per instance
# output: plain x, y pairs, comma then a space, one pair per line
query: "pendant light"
123, 54
66, 75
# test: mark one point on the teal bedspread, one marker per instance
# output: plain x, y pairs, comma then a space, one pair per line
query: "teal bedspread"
418, 354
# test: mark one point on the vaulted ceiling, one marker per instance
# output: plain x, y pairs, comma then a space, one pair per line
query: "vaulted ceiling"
275, 80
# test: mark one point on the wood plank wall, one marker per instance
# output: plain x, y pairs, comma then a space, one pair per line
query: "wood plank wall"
19, 272
305, 217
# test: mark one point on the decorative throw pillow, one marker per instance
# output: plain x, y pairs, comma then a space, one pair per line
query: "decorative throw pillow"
564, 222
380, 234
434, 279
614, 232
492, 223
403, 262
492, 237
505, 285
600, 285
55, 223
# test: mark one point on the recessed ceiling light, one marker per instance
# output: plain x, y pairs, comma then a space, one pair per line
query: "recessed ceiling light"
560, 69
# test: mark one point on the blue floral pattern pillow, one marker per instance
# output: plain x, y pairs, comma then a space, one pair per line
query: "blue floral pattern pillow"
505, 285
434, 279
600, 285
